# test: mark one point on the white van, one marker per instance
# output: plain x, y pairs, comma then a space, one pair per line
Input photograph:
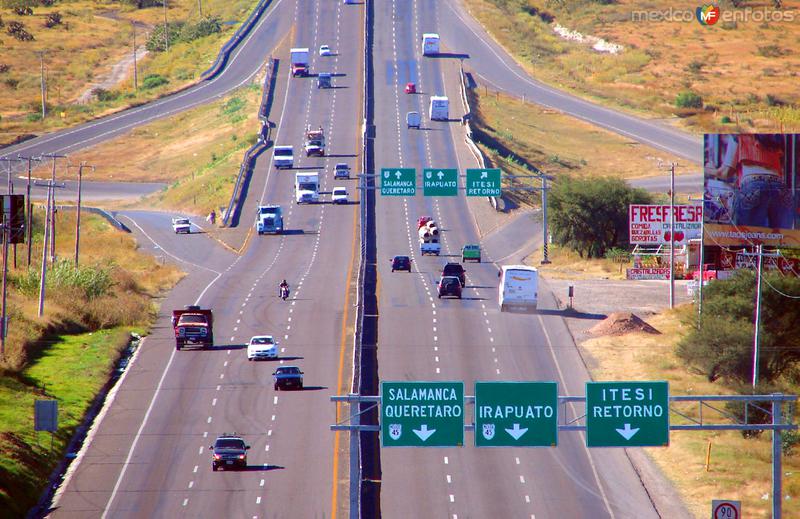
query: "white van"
413, 120
430, 44
519, 288
283, 157
439, 108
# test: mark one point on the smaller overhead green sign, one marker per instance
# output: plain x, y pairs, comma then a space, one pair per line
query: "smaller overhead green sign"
422, 414
483, 182
516, 414
439, 182
627, 414
398, 181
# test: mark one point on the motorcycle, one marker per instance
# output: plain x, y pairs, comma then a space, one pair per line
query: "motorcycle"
284, 293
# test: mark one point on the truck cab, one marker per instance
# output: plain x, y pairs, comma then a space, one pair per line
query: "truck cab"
299, 58
430, 44
324, 80
306, 188
315, 142
193, 325
269, 219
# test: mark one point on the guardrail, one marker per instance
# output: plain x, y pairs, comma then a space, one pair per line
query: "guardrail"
261, 144
234, 40
98, 211
468, 138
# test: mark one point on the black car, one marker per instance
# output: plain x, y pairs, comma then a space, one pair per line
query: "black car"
455, 269
229, 451
401, 263
288, 377
449, 286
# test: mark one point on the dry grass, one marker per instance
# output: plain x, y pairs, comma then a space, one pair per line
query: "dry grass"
740, 469
566, 264
733, 66
92, 39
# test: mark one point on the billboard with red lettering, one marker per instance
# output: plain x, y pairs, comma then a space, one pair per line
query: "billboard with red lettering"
650, 224
752, 189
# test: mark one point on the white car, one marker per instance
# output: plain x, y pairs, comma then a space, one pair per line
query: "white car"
324, 50
339, 195
262, 347
180, 225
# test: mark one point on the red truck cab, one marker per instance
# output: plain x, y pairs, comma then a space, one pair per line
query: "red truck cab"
193, 325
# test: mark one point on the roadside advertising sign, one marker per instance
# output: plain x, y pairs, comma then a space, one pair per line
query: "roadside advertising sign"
752, 189
650, 225
648, 273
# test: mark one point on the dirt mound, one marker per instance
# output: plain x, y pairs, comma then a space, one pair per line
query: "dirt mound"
620, 323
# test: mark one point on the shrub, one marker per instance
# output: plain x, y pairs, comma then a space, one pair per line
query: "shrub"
4, 67
155, 43
771, 51
105, 95
725, 119
695, 66
18, 31
90, 281
203, 28
52, 20
153, 81
773, 100
32, 118
11, 82
688, 99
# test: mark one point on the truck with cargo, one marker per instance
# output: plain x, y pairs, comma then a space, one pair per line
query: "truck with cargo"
193, 325
306, 188
299, 58
315, 142
430, 44
439, 108
428, 233
269, 219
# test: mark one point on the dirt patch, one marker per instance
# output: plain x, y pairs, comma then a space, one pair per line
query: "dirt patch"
621, 323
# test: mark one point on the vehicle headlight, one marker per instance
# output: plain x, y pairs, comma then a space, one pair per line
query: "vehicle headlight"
181, 331
203, 331
241, 456
217, 456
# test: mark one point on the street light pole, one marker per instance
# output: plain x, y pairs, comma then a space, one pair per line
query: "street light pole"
672, 236
756, 334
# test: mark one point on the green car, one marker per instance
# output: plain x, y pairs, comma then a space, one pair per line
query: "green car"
471, 252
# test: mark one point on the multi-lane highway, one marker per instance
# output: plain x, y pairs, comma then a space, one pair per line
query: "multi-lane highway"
148, 454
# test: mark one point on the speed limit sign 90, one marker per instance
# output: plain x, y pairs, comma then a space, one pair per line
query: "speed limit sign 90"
726, 509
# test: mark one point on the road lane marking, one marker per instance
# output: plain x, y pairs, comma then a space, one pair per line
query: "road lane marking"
201, 450
522, 479
261, 484
191, 484
258, 500
214, 402
185, 501
195, 469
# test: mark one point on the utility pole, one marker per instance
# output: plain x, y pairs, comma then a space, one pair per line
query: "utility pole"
78, 218
545, 259
51, 220
200, 7
43, 273
756, 335
135, 71
672, 236
3, 319
29, 214
166, 29
43, 84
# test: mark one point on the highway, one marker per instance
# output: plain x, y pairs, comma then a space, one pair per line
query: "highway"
424, 338
149, 455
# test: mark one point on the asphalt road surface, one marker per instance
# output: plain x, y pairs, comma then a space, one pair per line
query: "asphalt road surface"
424, 338
149, 454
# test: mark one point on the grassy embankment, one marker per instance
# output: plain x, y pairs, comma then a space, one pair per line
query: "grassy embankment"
739, 468
198, 152
744, 71
92, 38
68, 354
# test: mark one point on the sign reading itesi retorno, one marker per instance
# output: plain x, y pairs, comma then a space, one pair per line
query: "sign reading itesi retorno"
650, 225
627, 414
422, 414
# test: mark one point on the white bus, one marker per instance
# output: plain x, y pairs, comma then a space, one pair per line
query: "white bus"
519, 288
430, 44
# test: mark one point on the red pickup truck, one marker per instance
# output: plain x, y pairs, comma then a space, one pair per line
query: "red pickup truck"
193, 325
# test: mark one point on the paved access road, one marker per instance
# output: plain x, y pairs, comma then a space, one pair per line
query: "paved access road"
424, 338
149, 454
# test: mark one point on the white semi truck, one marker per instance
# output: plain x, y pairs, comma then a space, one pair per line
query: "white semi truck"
306, 188
439, 108
430, 44
269, 219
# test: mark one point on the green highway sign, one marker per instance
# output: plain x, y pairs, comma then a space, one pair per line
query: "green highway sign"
627, 414
439, 182
483, 182
516, 414
422, 414
398, 181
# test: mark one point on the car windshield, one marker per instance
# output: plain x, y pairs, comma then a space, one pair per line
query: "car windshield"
342, 166
261, 340
307, 186
401, 259
339, 191
288, 371
181, 221
283, 153
229, 443
192, 319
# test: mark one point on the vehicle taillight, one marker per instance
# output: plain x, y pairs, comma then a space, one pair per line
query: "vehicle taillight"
241, 456
217, 456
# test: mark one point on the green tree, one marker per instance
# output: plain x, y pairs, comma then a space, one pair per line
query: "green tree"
722, 347
590, 216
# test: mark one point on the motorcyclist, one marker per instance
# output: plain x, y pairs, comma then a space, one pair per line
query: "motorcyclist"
284, 289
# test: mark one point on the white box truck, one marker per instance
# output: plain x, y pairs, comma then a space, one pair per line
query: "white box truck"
283, 157
519, 288
306, 188
430, 44
299, 62
439, 108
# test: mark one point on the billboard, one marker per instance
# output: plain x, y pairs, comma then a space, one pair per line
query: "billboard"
649, 224
752, 189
